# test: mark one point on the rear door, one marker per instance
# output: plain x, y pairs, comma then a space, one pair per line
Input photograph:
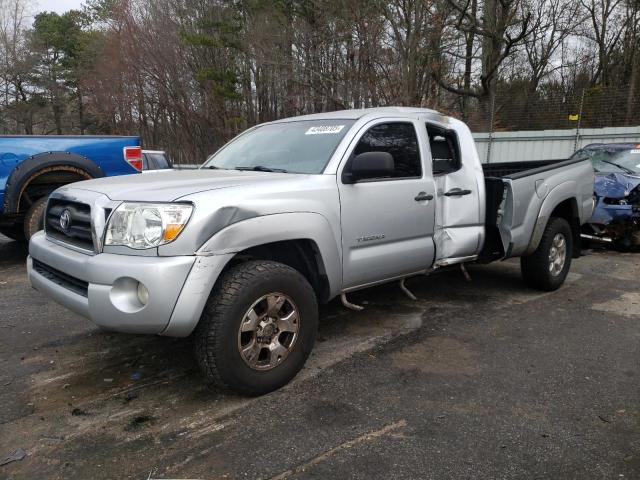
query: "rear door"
460, 195
387, 223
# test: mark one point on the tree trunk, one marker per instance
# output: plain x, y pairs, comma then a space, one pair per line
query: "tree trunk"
80, 112
470, 37
631, 94
491, 50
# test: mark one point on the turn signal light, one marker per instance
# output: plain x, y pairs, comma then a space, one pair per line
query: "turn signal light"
172, 230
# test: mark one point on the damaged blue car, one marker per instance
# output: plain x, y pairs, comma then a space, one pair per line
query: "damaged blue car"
616, 217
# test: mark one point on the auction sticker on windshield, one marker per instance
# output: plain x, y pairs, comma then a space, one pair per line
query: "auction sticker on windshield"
324, 129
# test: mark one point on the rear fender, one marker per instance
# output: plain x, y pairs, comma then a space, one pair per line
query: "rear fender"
565, 191
42, 163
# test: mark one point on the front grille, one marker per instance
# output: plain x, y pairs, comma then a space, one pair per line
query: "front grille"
75, 228
56, 276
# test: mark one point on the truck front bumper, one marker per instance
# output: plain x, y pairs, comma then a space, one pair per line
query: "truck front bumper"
104, 287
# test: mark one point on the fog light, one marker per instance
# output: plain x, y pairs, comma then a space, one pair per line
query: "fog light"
143, 294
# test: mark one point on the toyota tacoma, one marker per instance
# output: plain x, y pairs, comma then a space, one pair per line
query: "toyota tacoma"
294, 213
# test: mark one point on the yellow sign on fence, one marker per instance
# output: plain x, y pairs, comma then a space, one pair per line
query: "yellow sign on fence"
574, 118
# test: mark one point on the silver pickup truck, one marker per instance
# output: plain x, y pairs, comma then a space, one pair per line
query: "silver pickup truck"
294, 213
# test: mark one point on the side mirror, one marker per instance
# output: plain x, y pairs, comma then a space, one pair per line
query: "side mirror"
370, 165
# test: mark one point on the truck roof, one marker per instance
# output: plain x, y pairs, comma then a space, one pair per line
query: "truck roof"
357, 113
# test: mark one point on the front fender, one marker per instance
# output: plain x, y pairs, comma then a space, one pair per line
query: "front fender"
282, 227
216, 253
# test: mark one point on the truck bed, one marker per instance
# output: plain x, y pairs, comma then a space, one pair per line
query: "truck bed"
515, 192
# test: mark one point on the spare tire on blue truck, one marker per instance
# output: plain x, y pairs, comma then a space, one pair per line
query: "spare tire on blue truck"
31, 167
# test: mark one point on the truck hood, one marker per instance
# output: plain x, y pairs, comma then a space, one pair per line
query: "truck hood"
615, 185
170, 185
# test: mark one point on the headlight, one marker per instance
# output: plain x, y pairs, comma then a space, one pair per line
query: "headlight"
146, 225
615, 201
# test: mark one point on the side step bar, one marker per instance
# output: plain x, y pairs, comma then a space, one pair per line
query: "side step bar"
596, 239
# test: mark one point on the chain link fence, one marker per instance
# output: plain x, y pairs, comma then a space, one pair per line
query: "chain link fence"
571, 116
595, 107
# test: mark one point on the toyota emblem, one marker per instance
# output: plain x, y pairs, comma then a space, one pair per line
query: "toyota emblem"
65, 220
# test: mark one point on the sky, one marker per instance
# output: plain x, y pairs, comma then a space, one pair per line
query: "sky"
58, 6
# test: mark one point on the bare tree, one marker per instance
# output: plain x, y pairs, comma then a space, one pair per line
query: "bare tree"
502, 26
553, 22
605, 27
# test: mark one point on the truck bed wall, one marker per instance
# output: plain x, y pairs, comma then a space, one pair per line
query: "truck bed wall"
510, 168
492, 248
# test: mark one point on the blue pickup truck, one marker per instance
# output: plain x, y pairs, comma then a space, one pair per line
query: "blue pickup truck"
31, 167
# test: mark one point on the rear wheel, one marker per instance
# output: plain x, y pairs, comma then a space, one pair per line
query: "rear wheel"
34, 218
258, 327
547, 267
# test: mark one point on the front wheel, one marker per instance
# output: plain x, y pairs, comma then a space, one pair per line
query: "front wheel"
547, 267
258, 327
34, 218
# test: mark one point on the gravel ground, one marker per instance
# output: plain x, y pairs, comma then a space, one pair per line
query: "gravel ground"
480, 379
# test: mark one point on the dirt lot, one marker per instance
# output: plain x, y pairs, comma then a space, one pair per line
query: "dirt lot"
485, 379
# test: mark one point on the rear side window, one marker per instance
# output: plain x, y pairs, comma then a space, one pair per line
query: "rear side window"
160, 160
398, 139
445, 150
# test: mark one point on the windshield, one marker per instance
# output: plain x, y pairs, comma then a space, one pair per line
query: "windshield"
291, 147
613, 161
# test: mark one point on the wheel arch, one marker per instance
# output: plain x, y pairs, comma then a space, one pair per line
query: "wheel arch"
302, 240
301, 254
291, 238
208, 271
45, 172
560, 202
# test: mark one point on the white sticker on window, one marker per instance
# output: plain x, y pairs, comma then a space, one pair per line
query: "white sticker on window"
637, 150
324, 129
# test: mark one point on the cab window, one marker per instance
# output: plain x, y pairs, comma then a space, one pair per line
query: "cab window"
400, 140
445, 150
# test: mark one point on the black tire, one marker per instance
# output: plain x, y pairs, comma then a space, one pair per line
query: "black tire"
217, 335
536, 267
623, 245
14, 233
34, 218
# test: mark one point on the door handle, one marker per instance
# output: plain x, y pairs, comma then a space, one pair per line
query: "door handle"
422, 196
457, 192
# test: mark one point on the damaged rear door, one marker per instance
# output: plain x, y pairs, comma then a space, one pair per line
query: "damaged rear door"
459, 229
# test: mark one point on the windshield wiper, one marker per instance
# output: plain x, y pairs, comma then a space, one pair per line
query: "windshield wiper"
262, 168
624, 169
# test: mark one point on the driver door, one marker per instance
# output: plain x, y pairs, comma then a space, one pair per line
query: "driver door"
387, 223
